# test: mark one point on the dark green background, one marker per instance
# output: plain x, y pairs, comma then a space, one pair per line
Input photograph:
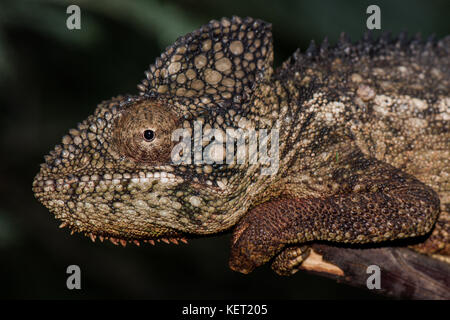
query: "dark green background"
51, 78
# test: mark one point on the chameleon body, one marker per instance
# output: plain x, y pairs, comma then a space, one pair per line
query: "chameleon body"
363, 148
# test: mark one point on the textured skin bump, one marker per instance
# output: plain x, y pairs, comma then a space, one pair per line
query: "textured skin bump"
364, 147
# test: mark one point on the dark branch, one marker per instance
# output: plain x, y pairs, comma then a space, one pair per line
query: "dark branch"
405, 274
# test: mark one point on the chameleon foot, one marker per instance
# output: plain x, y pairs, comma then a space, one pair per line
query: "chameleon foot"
290, 259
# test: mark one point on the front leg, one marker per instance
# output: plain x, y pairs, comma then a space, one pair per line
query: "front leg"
376, 203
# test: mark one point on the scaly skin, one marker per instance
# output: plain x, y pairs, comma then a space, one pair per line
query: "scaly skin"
364, 148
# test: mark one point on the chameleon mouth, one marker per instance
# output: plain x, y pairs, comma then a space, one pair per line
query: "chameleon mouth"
64, 195
48, 184
53, 187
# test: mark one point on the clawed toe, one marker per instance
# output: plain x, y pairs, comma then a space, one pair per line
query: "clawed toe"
289, 260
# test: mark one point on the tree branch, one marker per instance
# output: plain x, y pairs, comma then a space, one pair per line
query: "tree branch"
405, 273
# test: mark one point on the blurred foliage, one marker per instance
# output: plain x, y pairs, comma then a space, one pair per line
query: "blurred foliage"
294, 21
51, 78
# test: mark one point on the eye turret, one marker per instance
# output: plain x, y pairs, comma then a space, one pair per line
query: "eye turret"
143, 132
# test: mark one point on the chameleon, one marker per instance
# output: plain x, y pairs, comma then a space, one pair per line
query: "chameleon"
360, 155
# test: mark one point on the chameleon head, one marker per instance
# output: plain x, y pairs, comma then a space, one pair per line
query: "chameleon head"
114, 175
108, 175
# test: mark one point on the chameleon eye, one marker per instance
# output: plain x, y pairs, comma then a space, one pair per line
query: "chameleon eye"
149, 135
143, 132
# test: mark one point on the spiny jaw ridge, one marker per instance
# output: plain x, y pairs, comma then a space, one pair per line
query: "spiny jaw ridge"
124, 241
